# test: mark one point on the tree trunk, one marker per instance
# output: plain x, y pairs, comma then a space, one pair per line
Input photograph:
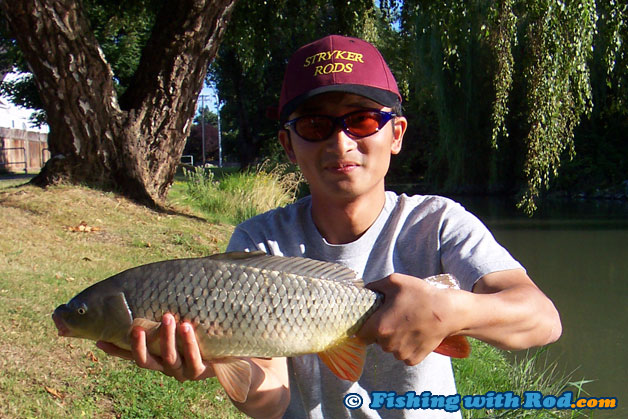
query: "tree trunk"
132, 143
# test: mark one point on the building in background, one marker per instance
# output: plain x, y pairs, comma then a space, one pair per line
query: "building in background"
23, 147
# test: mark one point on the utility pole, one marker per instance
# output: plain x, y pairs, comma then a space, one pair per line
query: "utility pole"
219, 134
203, 128
203, 121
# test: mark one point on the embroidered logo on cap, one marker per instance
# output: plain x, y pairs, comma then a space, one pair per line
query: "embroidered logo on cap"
324, 66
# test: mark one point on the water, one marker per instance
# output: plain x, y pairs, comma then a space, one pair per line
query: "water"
577, 253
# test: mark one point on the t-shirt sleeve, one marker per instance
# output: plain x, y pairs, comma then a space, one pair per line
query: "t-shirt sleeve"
241, 241
469, 250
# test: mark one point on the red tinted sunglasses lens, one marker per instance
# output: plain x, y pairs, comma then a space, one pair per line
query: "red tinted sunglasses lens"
315, 128
357, 124
362, 124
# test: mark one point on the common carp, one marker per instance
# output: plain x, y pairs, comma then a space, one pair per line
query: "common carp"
241, 304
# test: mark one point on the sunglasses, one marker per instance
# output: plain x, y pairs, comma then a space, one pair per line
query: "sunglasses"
358, 124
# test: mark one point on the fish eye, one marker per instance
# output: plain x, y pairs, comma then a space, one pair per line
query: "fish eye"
82, 309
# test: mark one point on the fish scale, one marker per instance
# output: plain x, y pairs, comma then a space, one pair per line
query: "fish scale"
241, 305
264, 305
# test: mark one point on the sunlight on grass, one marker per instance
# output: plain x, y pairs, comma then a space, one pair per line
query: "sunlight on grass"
45, 259
487, 369
241, 195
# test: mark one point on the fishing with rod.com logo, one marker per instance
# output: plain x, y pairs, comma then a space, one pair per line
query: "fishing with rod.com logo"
530, 400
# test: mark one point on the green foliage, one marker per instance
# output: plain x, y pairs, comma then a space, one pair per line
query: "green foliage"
23, 92
488, 369
207, 116
122, 30
238, 196
503, 24
560, 39
528, 61
494, 90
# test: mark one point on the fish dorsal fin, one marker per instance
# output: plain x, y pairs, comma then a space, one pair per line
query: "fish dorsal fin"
237, 255
234, 374
293, 265
347, 359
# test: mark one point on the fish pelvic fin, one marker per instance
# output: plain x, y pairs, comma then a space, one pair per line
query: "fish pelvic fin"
347, 359
234, 374
454, 346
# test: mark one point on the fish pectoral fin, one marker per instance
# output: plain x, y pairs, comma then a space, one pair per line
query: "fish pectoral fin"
234, 374
454, 346
119, 319
347, 359
152, 329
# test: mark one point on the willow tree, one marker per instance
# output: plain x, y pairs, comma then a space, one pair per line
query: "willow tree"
132, 139
526, 62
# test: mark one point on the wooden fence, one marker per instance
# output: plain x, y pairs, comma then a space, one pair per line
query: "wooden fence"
21, 150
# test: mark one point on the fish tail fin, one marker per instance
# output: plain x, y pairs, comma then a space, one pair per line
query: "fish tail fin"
234, 374
347, 359
454, 346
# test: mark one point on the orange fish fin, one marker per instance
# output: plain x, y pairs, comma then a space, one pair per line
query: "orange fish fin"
152, 329
234, 374
454, 346
347, 359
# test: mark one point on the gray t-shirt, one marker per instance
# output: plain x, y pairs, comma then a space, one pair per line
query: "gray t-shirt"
415, 235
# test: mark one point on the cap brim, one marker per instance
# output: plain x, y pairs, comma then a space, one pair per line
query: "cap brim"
383, 97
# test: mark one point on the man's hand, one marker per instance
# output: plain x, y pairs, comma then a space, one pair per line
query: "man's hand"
506, 309
183, 366
270, 389
414, 319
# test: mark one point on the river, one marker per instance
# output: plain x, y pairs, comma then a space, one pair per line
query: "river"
577, 252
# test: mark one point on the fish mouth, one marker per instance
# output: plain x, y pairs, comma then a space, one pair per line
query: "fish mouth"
62, 328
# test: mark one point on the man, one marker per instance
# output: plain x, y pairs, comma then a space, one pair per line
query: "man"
341, 122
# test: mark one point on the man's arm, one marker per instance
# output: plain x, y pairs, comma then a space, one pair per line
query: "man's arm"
269, 394
505, 309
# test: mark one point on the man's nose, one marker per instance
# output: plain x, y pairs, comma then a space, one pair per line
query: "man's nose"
340, 142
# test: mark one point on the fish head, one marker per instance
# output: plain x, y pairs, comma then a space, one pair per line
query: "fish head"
76, 319
96, 313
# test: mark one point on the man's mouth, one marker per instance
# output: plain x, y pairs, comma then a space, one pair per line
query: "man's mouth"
342, 167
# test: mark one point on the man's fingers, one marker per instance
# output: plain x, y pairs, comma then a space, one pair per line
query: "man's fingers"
185, 365
140, 350
168, 342
193, 365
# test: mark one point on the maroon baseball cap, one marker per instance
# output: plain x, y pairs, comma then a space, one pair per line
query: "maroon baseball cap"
337, 64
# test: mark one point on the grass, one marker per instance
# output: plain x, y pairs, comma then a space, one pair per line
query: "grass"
43, 262
241, 195
488, 369
45, 259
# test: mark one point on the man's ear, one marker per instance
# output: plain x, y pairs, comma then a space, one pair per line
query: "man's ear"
286, 143
400, 125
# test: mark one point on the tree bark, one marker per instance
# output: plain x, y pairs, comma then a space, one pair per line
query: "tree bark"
132, 143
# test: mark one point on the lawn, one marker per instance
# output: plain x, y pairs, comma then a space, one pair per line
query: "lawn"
55, 242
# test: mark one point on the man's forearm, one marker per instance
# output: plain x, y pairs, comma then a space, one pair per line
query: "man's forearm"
507, 310
270, 393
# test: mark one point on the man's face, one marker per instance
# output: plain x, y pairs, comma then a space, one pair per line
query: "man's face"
341, 167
